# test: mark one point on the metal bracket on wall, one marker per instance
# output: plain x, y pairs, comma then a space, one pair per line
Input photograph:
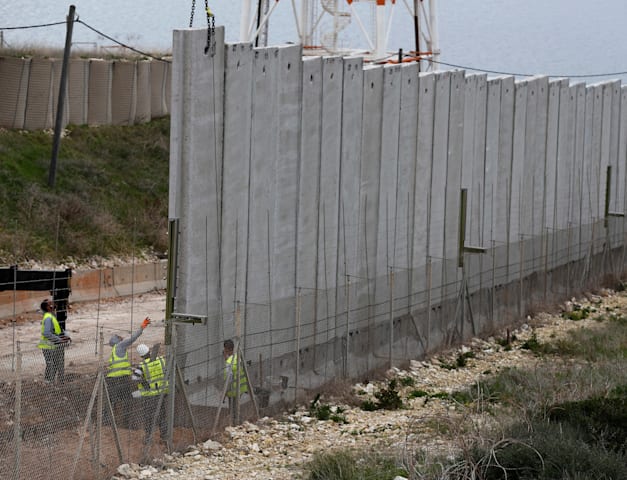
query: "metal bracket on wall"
462, 232
608, 189
184, 318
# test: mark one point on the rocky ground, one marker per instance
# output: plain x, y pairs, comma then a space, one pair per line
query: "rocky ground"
278, 448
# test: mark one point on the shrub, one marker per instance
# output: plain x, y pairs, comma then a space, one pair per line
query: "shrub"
387, 399
349, 465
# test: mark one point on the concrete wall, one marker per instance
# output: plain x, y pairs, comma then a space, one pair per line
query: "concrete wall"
100, 92
318, 203
91, 285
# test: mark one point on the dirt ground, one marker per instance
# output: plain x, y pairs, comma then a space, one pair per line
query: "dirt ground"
50, 413
85, 320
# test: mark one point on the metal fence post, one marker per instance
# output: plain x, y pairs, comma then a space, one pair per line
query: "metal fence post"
298, 320
17, 430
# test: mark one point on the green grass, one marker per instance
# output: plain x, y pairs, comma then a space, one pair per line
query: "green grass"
564, 419
110, 195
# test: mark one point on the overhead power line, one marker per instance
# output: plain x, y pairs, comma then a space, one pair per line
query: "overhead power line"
78, 20
33, 26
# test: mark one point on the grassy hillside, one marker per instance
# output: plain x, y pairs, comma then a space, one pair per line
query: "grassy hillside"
110, 195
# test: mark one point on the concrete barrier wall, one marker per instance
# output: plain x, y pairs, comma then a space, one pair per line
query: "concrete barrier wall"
319, 205
100, 92
90, 286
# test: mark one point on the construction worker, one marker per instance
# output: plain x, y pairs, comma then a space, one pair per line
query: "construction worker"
52, 342
152, 385
237, 384
119, 372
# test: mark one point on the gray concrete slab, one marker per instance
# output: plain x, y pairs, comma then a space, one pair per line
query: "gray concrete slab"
579, 171
308, 217
622, 148
422, 192
235, 178
350, 232
406, 184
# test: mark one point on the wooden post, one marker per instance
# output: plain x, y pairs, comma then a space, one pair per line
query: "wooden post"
62, 88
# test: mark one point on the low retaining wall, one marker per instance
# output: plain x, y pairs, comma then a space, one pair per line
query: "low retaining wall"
91, 285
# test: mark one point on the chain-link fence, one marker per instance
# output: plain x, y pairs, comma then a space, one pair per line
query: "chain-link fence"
83, 424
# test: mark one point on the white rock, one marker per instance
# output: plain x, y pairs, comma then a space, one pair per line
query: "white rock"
211, 445
126, 470
254, 448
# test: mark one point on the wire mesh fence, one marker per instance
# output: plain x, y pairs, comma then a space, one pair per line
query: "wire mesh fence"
84, 423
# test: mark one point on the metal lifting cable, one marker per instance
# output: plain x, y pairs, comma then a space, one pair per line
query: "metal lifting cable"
210, 47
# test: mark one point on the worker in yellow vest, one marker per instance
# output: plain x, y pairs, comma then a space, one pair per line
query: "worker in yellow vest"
52, 343
151, 375
235, 376
119, 371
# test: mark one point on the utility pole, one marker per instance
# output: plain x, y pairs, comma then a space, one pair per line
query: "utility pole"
62, 88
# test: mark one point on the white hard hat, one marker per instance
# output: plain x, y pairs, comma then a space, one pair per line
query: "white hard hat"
142, 349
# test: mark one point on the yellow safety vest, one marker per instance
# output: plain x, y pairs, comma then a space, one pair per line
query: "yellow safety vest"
154, 374
243, 384
119, 366
43, 341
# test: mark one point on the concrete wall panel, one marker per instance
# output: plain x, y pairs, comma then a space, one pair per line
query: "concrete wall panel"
564, 158
404, 231
195, 170
289, 80
235, 179
622, 149
144, 93
78, 90
99, 100
39, 113
504, 175
388, 221
329, 211
263, 158
123, 92
350, 235
160, 78
308, 216
579, 167
14, 75
422, 181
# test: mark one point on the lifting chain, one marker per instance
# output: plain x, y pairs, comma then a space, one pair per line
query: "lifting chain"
191, 16
211, 27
